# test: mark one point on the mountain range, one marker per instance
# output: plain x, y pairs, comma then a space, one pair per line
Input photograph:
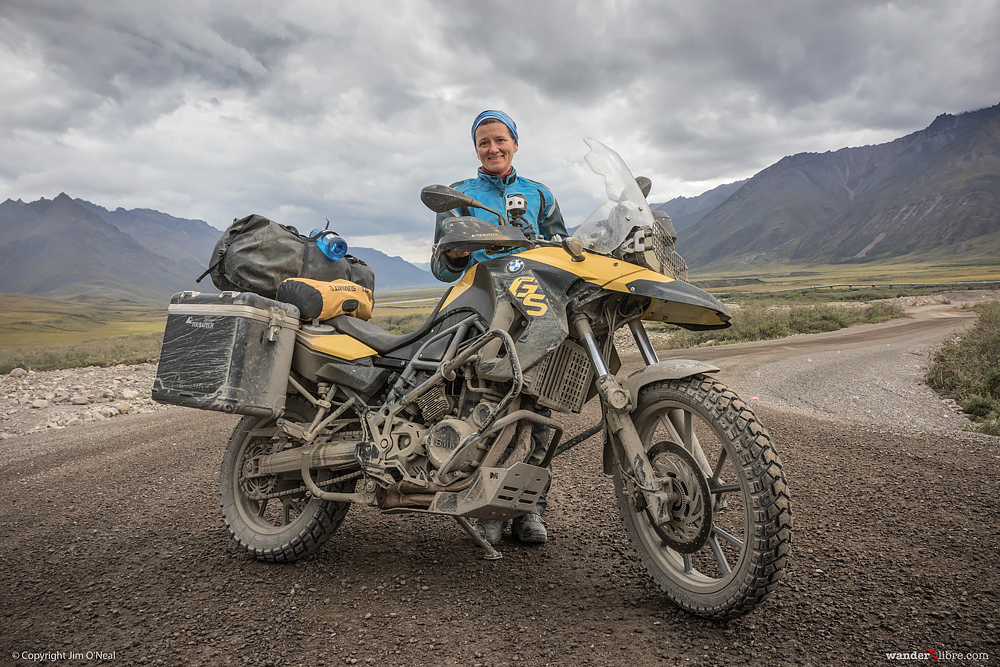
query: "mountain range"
67, 247
930, 195
686, 212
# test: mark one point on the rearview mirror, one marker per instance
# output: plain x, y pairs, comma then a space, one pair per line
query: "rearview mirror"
441, 198
645, 185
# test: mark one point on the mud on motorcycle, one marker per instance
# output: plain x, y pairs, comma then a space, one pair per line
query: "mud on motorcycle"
439, 421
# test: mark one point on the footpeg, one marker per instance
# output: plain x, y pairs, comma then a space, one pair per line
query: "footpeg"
367, 456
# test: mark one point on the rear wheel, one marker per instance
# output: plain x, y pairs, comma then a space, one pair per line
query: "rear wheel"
274, 518
724, 548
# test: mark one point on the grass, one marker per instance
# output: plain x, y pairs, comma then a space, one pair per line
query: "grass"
780, 276
841, 294
41, 334
967, 369
31, 321
400, 324
134, 349
763, 322
44, 334
415, 297
403, 311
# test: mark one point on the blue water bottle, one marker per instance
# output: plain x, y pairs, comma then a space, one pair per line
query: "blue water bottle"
330, 243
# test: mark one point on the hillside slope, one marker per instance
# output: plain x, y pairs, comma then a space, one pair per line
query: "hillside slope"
685, 212
931, 193
70, 247
59, 248
187, 242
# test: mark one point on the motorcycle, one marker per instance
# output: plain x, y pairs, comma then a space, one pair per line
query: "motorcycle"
440, 420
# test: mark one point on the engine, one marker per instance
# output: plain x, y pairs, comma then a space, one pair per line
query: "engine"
424, 442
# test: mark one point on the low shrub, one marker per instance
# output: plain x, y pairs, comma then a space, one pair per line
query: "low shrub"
990, 425
967, 369
400, 324
980, 406
758, 322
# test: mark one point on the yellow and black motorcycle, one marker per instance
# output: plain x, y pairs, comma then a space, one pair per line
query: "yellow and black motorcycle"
439, 421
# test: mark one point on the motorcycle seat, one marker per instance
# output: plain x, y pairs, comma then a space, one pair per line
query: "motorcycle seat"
375, 336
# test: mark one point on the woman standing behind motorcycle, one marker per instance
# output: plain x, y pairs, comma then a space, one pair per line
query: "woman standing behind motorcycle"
498, 186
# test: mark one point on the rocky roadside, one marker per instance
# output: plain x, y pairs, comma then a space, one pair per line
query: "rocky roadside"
32, 401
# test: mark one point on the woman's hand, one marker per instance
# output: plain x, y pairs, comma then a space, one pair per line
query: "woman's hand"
457, 260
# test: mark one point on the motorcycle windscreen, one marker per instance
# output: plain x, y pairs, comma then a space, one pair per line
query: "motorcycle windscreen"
681, 303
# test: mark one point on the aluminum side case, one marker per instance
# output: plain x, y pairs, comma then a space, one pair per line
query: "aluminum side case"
229, 352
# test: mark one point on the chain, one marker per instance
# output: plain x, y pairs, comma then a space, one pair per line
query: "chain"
289, 492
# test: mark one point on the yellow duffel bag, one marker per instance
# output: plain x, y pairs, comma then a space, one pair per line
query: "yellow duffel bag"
321, 300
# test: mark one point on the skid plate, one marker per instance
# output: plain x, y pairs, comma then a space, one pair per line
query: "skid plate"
495, 493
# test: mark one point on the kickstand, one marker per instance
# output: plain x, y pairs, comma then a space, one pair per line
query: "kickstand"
489, 553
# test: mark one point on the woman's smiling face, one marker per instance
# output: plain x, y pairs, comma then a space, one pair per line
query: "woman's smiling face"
495, 147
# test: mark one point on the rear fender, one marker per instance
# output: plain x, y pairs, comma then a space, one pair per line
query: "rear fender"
671, 369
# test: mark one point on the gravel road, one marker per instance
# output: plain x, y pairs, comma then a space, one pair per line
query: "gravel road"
114, 551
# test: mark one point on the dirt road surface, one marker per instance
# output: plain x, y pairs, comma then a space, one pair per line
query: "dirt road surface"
114, 551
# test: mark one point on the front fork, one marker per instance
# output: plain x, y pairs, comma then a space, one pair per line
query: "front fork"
677, 417
618, 405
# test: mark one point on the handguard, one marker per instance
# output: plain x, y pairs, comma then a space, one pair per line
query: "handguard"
468, 234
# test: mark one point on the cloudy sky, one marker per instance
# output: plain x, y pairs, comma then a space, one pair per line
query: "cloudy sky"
312, 109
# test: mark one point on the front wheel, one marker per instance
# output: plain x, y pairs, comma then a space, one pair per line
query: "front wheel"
724, 548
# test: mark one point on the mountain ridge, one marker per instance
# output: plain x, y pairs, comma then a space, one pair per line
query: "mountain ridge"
58, 248
927, 194
931, 194
685, 212
67, 247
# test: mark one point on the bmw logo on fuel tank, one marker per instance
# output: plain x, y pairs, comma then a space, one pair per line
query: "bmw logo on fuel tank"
515, 265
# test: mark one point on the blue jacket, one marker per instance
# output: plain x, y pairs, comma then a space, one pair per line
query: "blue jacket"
543, 214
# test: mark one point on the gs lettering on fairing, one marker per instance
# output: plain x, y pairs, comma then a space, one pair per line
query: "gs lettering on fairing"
439, 421
526, 290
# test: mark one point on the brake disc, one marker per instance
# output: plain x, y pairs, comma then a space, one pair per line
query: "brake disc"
690, 522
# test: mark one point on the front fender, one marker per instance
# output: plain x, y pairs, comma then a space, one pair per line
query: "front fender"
672, 369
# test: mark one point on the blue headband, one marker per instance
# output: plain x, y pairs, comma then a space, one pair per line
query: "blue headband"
497, 115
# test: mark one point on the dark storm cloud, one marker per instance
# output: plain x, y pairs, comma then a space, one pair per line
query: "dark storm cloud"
747, 76
344, 110
794, 55
106, 46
